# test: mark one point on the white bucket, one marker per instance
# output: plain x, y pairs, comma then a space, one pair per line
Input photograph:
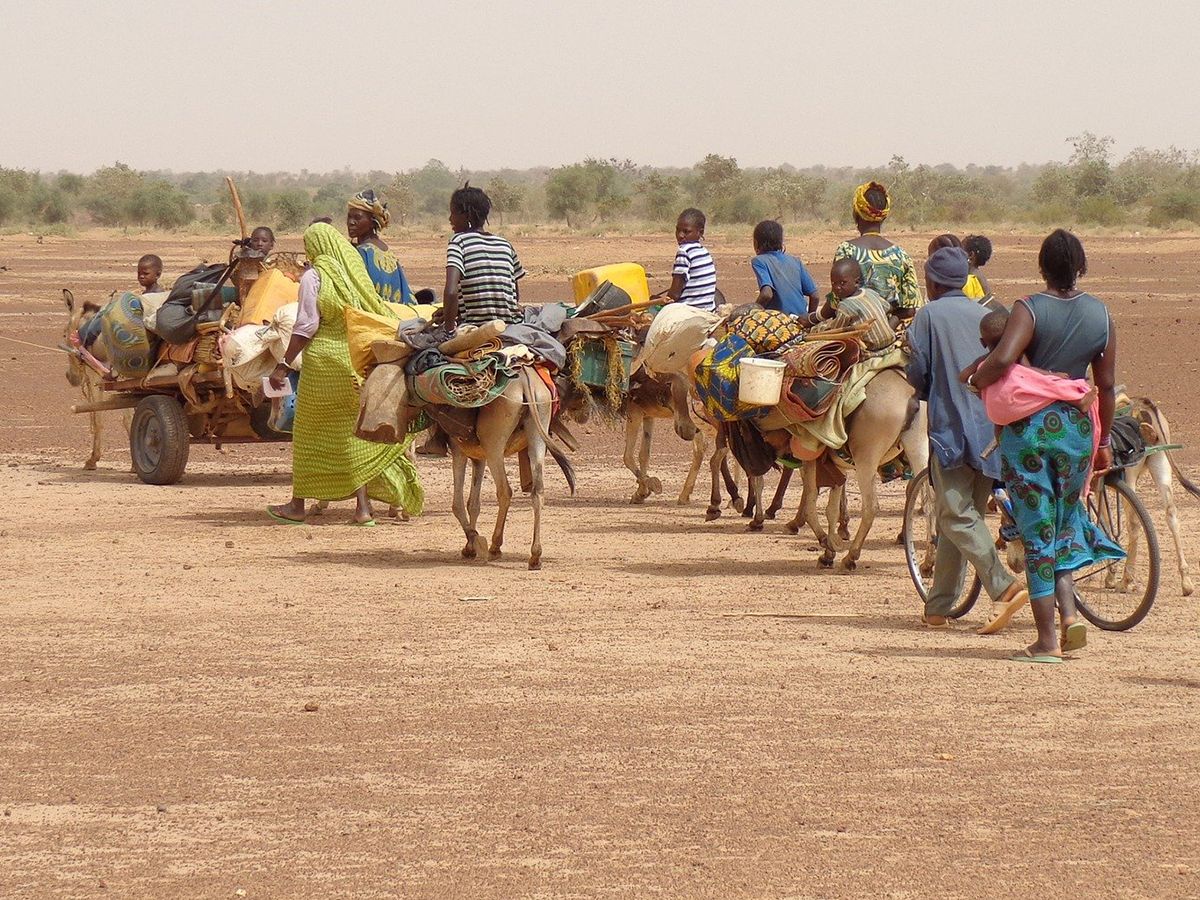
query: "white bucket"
760, 381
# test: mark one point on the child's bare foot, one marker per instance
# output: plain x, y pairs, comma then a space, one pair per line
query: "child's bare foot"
1084, 403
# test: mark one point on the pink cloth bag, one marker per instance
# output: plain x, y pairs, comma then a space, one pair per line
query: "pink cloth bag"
1022, 391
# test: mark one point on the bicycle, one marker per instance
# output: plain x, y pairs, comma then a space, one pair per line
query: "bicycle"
1112, 595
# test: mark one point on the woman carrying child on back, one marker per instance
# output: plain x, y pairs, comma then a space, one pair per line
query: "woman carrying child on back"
888, 270
1048, 454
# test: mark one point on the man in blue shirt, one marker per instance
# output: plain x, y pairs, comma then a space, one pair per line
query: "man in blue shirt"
943, 339
783, 282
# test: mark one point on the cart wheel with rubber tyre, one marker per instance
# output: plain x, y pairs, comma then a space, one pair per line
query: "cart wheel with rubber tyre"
159, 440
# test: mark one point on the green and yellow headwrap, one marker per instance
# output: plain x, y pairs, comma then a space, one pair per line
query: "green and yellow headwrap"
373, 206
344, 278
862, 207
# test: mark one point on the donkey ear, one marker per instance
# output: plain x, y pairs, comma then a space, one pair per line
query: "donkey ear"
69, 299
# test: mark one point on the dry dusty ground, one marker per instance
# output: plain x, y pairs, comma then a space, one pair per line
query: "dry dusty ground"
668, 708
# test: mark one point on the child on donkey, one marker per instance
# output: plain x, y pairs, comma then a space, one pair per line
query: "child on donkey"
784, 284
694, 275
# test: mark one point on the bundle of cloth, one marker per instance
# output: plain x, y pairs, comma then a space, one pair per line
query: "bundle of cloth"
252, 351
450, 376
750, 332
132, 326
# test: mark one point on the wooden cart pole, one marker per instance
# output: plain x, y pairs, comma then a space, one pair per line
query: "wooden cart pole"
237, 206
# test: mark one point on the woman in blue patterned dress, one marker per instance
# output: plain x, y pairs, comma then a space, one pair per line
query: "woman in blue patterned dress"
366, 216
1047, 457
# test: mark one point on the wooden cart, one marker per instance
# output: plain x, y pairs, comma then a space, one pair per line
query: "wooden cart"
168, 419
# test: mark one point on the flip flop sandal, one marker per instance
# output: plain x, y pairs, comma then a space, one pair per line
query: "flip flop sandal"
1002, 618
938, 625
283, 520
370, 523
1026, 657
1074, 637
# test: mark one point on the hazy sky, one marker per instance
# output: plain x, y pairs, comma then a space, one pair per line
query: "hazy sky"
316, 84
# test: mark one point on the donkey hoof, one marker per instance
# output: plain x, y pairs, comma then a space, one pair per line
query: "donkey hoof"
1188, 587
849, 565
792, 527
711, 515
738, 504
637, 499
771, 514
825, 561
683, 501
844, 533
494, 555
535, 564
90, 466
468, 552
654, 485
754, 526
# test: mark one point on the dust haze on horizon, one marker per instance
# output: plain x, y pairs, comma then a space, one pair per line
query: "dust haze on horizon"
285, 86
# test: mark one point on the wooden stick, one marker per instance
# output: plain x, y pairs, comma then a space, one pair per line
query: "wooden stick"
237, 206
105, 405
628, 307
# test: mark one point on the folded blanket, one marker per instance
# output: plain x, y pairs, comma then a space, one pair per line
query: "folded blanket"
466, 385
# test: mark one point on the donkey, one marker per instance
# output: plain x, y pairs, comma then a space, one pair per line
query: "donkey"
889, 419
516, 422
889, 415
1156, 430
83, 376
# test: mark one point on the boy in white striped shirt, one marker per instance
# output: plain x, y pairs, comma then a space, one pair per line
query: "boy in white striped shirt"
694, 276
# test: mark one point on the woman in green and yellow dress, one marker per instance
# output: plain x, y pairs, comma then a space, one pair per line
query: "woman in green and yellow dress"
328, 461
887, 269
366, 216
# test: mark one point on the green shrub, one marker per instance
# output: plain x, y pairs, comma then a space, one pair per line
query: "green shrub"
1174, 206
292, 209
1101, 210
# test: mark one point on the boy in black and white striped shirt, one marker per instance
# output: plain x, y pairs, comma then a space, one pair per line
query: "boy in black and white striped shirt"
694, 275
481, 268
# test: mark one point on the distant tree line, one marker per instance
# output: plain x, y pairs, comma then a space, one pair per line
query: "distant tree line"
1147, 187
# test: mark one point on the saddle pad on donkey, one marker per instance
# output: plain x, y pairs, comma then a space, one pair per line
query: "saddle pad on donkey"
805, 399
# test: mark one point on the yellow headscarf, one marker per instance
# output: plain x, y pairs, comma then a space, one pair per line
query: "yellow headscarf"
373, 206
344, 278
864, 210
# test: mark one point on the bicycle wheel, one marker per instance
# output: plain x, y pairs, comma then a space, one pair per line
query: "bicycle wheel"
1116, 594
920, 544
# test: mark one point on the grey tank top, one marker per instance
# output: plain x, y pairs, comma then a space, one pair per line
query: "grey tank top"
1067, 334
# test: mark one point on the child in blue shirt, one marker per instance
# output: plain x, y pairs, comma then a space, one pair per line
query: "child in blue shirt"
784, 283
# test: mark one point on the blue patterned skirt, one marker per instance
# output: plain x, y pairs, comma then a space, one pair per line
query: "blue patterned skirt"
1045, 460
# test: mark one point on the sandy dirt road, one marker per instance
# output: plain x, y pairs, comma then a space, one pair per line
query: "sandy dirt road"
669, 708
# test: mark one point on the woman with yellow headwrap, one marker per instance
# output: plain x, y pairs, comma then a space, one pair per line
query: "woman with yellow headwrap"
328, 461
887, 269
366, 216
